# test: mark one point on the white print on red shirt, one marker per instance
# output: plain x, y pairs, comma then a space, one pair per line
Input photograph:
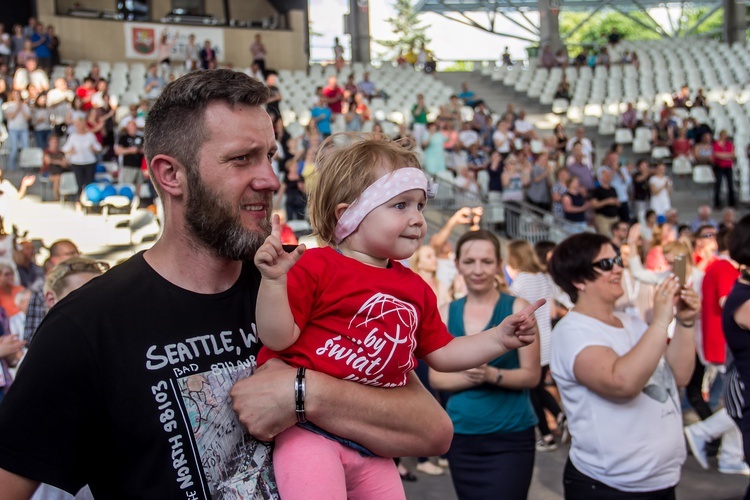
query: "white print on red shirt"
384, 333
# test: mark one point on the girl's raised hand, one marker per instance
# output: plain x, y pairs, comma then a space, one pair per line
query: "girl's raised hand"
271, 259
520, 329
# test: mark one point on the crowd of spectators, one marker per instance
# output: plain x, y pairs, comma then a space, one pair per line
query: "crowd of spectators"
509, 159
605, 53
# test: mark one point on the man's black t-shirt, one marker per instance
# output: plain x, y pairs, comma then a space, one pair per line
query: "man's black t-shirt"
128, 141
602, 193
126, 388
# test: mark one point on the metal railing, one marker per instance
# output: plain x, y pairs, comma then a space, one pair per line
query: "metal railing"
524, 221
520, 220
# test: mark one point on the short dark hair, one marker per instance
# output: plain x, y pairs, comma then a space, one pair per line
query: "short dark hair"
571, 261
55, 248
616, 225
542, 248
703, 227
739, 241
174, 125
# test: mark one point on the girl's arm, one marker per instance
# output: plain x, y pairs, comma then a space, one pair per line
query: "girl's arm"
517, 330
524, 377
274, 318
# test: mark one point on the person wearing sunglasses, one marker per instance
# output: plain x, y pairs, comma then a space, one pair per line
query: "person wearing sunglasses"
705, 247
618, 377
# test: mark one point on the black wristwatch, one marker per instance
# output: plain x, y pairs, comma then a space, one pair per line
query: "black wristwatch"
499, 376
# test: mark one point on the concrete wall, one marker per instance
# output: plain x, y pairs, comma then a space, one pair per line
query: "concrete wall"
103, 40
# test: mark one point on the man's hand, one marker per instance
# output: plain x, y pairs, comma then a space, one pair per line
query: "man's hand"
271, 259
520, 329
264, 402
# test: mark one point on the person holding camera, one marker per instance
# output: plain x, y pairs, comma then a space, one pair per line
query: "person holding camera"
618, 377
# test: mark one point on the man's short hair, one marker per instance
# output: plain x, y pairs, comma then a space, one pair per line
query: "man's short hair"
616, 225
56, 247
175, 125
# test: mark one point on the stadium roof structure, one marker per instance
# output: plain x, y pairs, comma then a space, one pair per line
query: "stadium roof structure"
486, 12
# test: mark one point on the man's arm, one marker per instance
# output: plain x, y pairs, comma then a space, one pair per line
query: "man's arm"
401, 421
15, 487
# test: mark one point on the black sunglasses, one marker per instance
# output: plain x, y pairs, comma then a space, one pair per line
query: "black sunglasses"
608, 264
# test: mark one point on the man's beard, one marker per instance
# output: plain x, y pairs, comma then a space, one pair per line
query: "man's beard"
218, 225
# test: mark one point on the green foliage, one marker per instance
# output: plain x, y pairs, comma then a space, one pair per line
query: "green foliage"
603, 22
460, 66
714, 23
407, 28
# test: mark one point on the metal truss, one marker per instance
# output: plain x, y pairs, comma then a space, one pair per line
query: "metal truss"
484, 14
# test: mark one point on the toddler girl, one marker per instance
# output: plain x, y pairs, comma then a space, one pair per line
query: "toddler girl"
351, 310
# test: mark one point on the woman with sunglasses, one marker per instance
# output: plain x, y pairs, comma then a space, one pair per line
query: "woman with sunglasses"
618, 376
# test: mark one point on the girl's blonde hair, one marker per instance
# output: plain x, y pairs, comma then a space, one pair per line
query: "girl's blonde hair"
521, 256
347, 164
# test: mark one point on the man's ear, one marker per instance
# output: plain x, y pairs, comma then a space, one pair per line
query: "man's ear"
340, 209
169, 174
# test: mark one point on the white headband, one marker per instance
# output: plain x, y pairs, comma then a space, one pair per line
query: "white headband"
389, 186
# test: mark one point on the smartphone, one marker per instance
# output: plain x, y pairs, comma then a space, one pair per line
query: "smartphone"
680, 268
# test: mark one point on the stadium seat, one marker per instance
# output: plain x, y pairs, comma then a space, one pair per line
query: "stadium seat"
31, 158
623, 136
68, 186
660, 153
560, 106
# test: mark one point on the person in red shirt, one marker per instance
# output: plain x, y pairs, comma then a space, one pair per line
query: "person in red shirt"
334, 95
723, 159
718, 281
704, 249
86, 92
352, 310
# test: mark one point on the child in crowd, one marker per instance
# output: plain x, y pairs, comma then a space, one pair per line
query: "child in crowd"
351, 310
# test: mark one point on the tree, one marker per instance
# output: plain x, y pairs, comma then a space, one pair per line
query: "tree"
407, 29
603, 22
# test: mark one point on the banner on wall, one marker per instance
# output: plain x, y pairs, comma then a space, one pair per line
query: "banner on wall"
142, 40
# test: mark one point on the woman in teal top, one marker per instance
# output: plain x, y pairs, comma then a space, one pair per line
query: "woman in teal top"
492, 453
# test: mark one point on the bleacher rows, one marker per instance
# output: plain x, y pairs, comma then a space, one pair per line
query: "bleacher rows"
127, 81
599, 96
401, 84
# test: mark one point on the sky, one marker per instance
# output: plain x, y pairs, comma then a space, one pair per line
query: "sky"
450, 40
